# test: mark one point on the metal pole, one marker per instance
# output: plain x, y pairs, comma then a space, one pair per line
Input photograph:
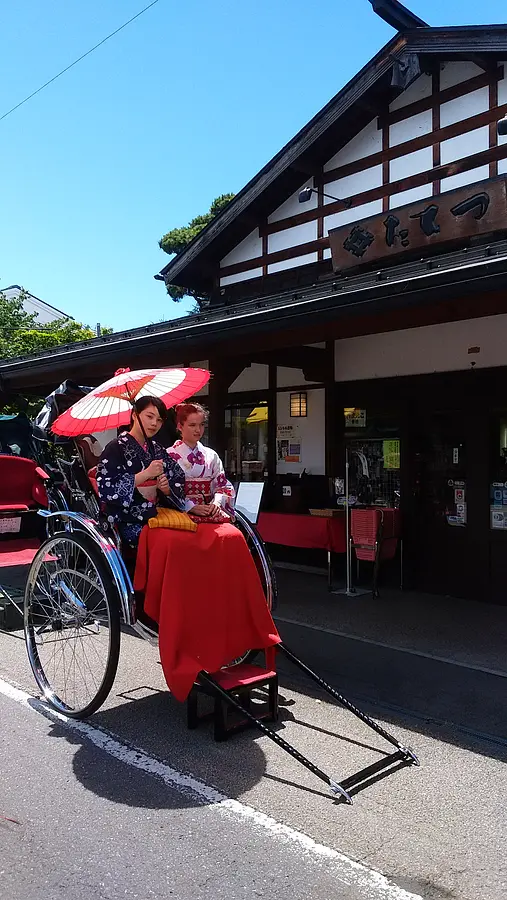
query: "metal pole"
347, 520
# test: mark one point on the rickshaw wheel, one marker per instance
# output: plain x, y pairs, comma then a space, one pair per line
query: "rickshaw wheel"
266, 574
72, 624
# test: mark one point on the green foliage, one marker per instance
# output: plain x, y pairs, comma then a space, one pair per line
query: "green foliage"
178, 238
21, 335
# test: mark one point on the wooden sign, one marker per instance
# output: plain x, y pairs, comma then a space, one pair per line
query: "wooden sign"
432, 223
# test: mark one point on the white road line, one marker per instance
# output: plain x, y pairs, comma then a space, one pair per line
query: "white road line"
373, 884
501, 673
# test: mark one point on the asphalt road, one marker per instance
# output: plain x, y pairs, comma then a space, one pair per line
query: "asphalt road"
181, 816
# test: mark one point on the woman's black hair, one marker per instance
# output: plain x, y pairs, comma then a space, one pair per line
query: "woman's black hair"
143, 403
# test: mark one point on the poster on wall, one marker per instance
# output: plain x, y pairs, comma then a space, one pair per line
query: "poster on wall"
391, 450
288, 444
498, 505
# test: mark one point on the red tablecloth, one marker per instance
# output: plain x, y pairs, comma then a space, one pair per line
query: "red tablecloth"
204, 591
313, 532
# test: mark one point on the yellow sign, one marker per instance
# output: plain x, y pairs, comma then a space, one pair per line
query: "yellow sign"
259, 414
391, 454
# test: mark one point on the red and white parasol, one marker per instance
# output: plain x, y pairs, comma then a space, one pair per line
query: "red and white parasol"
110, 404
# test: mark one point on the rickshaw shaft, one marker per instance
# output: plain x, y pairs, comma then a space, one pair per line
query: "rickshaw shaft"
336, 788
343, 700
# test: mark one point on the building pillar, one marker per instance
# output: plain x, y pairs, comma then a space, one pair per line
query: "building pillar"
332, 419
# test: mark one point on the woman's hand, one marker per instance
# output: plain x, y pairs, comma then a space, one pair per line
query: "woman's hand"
215, 509
202, 509
155, 468
163, 485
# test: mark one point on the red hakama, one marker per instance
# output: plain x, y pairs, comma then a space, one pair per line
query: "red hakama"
204, 591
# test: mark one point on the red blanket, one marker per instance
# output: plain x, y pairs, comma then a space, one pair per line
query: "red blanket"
204, 591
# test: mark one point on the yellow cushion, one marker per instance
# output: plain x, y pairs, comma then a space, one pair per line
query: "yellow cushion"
171, 518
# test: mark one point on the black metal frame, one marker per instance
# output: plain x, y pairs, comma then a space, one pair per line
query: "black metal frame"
402, 754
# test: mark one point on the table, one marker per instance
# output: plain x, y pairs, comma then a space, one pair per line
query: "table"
309, 532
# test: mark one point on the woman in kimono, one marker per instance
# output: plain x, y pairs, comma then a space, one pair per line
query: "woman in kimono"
134, 478
209, 495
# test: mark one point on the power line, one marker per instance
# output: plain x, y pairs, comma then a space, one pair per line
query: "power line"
77, 60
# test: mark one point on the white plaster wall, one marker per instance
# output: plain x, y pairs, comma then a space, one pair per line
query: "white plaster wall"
417, 351
253, 378
292, 206
354, 184
356, 214
311, 429
411, 196
411, 164
292, 263
365, 142
471, 177
502, 86
452, 73
292, 237
461, 146
249, 248
464, 145
464, 107
286, 377
502, 98
418, 90
410, 128
241, 276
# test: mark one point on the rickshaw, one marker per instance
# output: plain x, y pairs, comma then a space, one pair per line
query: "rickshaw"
79, 596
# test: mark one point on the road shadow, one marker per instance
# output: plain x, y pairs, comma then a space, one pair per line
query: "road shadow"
150, 755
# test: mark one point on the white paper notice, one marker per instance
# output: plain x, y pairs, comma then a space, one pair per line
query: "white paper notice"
248, 499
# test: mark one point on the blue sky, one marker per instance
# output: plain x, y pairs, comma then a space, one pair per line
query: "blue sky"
186, 103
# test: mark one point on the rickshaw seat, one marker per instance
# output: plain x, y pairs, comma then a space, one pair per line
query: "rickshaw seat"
21, 484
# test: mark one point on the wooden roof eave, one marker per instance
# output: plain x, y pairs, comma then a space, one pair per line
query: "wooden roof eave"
233, 331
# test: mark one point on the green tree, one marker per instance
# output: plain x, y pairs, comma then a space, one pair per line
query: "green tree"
178, 238
21, 335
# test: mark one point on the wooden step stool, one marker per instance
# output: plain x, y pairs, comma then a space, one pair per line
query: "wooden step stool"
239, 681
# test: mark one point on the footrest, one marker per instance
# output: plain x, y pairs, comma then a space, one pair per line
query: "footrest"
238, 681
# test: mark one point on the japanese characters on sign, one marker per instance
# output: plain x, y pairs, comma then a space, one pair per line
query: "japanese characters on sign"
432, 223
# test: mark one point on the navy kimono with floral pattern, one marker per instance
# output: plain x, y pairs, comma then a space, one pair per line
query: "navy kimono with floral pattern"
124, 504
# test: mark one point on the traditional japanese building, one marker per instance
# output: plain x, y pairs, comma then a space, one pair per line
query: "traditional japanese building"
358, 299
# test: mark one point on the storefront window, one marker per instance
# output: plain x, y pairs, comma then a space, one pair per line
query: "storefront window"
246, 434
373, 446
